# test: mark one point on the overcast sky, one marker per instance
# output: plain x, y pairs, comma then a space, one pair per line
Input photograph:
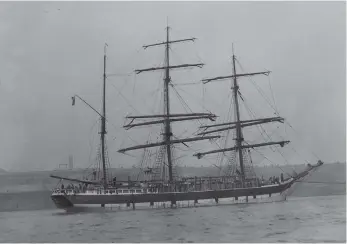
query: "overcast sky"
51, 51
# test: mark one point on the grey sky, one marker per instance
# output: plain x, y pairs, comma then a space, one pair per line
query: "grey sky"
50, 51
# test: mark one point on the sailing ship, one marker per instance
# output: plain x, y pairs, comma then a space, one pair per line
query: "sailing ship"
237, 184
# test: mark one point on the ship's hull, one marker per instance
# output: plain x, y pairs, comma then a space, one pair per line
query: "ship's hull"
277, 197
179, 199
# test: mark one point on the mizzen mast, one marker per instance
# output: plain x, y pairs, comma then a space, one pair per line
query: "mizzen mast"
167, 117
103, 123
238, 124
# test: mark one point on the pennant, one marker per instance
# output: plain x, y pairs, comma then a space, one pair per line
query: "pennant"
73, 101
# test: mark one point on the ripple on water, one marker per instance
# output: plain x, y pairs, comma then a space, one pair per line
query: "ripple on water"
117, 239
79, 222
280, 217
53, 233
275, 233
131, 228
206, 230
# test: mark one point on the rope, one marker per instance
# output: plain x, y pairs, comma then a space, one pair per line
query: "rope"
186, 84
260, 127
272, 95
229, 118
118, 74
274, 107
270, 160
91, 140
258, 88
192, 96
313, 153
185, 105
125, 99
322, 182
253, 116
199, 121
282, 139
173, 31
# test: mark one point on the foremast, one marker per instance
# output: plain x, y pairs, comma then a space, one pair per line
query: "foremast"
238, 124
102, 132
103, 123
167, 118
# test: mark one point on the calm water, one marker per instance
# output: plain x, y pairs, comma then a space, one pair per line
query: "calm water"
300, 219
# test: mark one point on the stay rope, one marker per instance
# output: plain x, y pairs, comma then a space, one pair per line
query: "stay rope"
274, 107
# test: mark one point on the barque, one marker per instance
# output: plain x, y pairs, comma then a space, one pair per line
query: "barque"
162, 186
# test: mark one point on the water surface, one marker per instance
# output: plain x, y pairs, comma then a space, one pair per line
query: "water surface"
300, 219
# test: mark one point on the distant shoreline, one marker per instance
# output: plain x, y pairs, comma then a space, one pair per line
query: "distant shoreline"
136, 168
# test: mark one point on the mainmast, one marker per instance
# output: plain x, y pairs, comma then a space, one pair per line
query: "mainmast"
167, 117
167, 135
103, 123
238, 124
239, 138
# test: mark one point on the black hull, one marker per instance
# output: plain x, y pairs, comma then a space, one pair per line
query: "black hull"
67, 201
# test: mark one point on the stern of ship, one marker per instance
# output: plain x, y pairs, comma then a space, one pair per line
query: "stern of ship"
61, 201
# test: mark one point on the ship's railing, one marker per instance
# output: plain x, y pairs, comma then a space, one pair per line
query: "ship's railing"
103, 191
187, 184
64, 191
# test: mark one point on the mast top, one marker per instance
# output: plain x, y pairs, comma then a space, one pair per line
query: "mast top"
105, 48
